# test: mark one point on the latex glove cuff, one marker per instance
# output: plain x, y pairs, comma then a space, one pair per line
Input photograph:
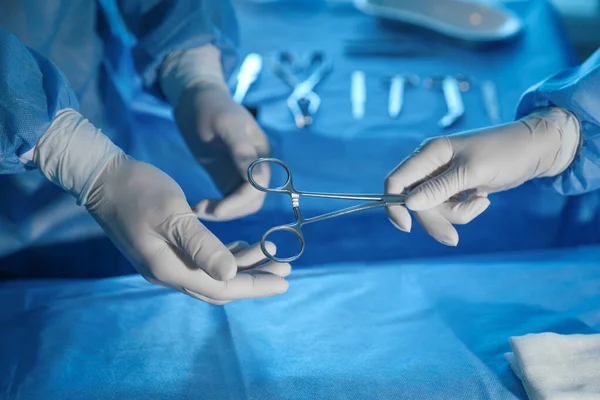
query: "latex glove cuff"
560, 125
184, 69
73, 153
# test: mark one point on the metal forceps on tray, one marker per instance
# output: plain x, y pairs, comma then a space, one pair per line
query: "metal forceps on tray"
376, 200
303, 102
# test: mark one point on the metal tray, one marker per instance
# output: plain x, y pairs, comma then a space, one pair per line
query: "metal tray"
462, 19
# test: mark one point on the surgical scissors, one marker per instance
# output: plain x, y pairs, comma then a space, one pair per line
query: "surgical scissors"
303, 102
376, 200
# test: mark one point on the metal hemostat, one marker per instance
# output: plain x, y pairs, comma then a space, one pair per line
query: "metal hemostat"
452, 86
398, 84
303, 102
371, 201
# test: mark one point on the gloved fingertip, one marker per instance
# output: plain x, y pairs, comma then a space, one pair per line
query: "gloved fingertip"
417, 201
441, 230
237, 246
483, 205
222, 266
400, 218
230, 272
225, 275
220, 212
402, 228
241, 203
479, 206
450, 239
286, 269
271, 248
277, 287
283, 287
260, 172
451, 242
203, 209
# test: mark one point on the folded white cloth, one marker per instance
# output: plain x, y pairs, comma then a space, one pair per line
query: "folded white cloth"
553, 366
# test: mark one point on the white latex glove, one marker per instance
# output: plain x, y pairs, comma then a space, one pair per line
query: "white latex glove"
223, 136
450, 177
146, 215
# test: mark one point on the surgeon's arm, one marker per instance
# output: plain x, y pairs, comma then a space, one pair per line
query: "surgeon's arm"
184, 51
162, 27
32, 92
577, 91
142, 210
556, 140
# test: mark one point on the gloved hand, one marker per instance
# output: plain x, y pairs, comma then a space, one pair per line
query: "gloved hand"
145, 214
450, 177
222, 135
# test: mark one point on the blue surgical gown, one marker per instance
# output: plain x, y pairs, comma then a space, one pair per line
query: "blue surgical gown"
576, 90
55, 55
69, 33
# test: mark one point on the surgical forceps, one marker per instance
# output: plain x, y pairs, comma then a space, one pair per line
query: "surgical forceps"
376, 200
303, 102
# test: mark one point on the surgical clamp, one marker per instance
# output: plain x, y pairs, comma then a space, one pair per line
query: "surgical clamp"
377, 200
303, 102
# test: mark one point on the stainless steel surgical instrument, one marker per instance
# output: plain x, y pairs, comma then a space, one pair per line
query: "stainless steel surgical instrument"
249, 71
303, 102
451, 87
490, 100
358, 94
471, 21
398, 84
376, 200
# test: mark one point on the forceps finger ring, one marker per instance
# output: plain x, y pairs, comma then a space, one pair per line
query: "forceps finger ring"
296, 229
288, 188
